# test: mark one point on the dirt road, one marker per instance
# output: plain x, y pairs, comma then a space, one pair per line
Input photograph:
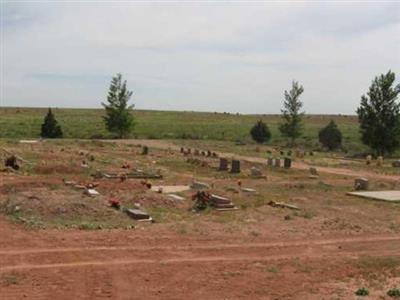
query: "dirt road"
99, 265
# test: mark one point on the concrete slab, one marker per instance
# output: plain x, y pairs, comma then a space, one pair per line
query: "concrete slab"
390, 196
170, 189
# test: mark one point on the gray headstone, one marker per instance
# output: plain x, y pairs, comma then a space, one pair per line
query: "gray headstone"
235, 166
277, 162
361, 184
145, 150
313, 171
287, 163
223, 164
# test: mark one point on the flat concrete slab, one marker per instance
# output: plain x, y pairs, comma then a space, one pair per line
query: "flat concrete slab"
170, 189
390, 196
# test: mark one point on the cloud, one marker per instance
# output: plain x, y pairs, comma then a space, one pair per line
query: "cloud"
221, 56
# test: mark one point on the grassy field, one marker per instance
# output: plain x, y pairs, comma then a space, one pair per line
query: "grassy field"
88, 123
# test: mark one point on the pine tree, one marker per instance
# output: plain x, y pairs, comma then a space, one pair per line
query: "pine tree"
119, 119
50, 127
379, 115
260, 132
330, 136
292, 117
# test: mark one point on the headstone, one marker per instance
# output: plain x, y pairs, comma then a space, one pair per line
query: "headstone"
287, 163
189, 151
255, 172
91, 192
203, 153
223, 164
197, 185
12, 162
208, 153
235, 166
368, 159
137, 214
182, 150
221, 202
277, 162
196, 152
270, 162
379, 161
361, 184
313, 171
214, 154
396, 164
145, 150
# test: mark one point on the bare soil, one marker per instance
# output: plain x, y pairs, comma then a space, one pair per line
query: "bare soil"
334, 245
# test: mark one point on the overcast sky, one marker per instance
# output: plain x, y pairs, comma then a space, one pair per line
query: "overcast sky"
213, 56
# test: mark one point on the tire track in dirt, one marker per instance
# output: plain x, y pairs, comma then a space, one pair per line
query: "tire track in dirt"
213, 246
218, 254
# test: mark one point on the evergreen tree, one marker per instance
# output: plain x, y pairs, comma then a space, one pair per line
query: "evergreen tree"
119, 119
50, 127
260, 132
292, 117
330, 136
379, 115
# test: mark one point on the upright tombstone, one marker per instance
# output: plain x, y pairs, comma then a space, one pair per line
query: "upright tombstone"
287, 163
361, 184
396, 164
182, 150
277, 162
235, 166
223, 164
379, 161
313, 171
145, 150
208, 153
368, 159
270, 162
189, 151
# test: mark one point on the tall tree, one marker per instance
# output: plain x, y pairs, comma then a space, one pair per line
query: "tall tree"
119, 119
292, 117
50, 127
379, 115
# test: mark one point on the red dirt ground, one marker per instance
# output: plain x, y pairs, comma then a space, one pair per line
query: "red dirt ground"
155, 262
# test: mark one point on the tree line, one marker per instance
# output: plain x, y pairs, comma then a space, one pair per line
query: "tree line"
378, 115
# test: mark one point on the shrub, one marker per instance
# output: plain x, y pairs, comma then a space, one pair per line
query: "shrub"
330, 136
362, 292
260, 132
394, 293
50, 127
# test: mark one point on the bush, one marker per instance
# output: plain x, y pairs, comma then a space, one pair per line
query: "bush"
330, 136
50, 127
260, 132
362, 292
394, 293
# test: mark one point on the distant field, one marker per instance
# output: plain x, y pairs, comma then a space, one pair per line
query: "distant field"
88, 123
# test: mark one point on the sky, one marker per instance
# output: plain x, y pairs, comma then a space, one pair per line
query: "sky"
224, 56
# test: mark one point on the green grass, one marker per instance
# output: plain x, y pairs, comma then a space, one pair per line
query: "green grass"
88, 123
